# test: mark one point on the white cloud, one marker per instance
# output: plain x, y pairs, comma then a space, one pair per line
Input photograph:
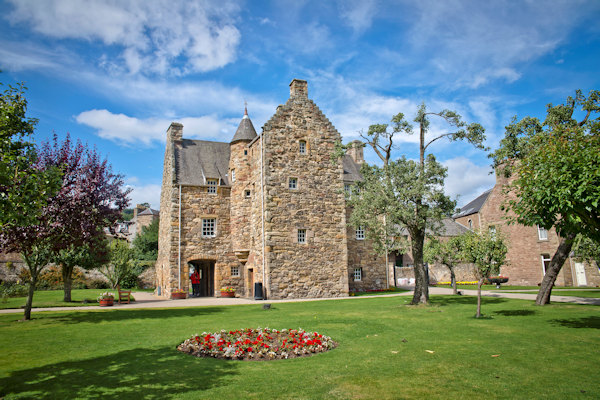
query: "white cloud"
125, 130
467, 180
155, 36
149, 193
358, 14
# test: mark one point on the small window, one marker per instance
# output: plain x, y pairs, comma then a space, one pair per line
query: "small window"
247, 194
360, 233
233, 175
245, 152
542, 233
470, 222
301, 235
357, 274
209, 227
545, 262
235, 271
347, 188
293, 183
492, 230
212, 185
302, 147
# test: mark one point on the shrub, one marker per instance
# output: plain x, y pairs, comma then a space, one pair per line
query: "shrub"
51, 278
12, 289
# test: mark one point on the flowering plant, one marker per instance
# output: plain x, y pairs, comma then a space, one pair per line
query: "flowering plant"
106, 296
257, 344
498, 277
179, 291
229, 289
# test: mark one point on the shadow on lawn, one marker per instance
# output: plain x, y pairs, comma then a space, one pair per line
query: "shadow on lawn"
96, 316
452, 300
588, 322
136, 373
515, 313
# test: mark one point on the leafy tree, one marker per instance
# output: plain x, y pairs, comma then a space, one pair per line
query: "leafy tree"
448, 253
488, 252
556, 175
409, 193
145, 245
91, 197
587, 249
25, 186
120, 262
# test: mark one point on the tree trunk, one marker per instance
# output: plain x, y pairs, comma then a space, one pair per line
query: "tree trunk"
478, 315
558, 260
421, 294
453, 280
67, 275
29, 303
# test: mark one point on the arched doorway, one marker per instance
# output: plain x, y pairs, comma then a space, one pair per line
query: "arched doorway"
206, 269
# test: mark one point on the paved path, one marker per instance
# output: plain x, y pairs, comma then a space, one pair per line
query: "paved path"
148, 300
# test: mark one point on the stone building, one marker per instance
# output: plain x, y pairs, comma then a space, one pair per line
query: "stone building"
530, 248
264, 209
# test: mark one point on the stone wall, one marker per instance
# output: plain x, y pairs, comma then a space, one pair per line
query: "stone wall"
317, 268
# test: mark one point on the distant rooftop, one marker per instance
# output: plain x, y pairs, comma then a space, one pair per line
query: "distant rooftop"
474, 206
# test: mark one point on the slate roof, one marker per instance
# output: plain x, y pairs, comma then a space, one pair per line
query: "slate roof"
449, 227
245, 130
149, 211
351, 170
198, 160
474, 206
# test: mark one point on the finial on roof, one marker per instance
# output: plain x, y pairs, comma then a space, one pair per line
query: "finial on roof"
245, 109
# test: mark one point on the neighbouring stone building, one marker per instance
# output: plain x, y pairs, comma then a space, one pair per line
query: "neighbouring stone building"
264, 211
530, 248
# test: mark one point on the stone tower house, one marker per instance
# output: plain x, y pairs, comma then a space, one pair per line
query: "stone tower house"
267, 209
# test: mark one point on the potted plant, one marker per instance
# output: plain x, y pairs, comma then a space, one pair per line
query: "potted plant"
497, 280
227, 291
106, 299
178, 294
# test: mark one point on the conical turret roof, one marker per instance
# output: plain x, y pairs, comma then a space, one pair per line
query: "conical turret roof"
245, 131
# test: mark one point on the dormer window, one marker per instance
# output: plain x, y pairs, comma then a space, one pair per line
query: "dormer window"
302, 147
212, 186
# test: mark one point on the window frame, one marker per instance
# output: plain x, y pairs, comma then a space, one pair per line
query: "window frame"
301, 236
302, 147
212, 185
293, 183
359, 233
357, 274
235, 271
545, 258
208, 226
540, 230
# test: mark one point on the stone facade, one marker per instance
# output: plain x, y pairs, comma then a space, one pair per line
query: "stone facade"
528, 246
279, 210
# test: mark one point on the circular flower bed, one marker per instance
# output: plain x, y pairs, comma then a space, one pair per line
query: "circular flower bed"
257, 344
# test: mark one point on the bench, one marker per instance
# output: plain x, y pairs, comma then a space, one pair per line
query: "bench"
124, 295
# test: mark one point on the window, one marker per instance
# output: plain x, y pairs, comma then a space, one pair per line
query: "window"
360, 233
470, 222
209, 227
545, 262
245, 152
492, 230
247, 194
357, 274
542, 233
235, 271
399, 260
301, 235
347, 188
293, 183
212, 185
302, 147
233, 175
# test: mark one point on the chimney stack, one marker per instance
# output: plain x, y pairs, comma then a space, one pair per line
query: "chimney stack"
356, 151
298, 88
175, 131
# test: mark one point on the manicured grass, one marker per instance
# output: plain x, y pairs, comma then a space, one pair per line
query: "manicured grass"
575, 293
387, 350
390, 291
54, 298
502, 287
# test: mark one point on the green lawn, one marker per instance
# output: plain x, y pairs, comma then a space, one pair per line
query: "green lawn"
502, 287
54, 298
542, 352
390, 291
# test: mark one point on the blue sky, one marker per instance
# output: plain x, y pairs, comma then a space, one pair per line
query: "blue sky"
116, 73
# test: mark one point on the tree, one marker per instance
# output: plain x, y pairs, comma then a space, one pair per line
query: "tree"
448, 253
487, 251
90, 198
145, 245
586, 249
416, 200
120, 262
556, 175
24, 189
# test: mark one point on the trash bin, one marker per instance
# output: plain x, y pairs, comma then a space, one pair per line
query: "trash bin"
258, 291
